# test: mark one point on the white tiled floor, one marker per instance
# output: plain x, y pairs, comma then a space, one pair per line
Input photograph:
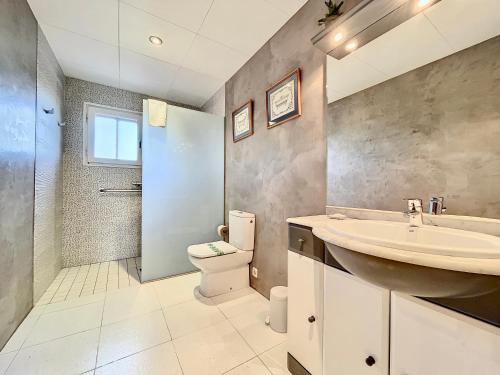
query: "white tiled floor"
80, 281
164, 327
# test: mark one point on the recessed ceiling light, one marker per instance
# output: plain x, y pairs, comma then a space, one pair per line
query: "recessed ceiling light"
423, 3
155, 40
338, 37
351, 46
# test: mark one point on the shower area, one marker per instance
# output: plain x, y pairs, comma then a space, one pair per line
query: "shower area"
127, 222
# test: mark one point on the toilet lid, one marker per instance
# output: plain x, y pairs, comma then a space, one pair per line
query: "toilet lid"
211, 249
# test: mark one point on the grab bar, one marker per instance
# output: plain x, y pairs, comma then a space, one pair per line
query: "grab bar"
120, 191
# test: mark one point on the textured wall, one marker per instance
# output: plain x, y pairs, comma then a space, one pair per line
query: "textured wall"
432, 131
217, 103
47, 260
280, 172
18, 39
96, 227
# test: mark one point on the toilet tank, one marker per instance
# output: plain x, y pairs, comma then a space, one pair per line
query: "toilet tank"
241, 230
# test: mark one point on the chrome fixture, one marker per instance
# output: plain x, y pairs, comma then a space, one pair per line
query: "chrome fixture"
436, 206
49, 111
364, 22
414, 212
120, 190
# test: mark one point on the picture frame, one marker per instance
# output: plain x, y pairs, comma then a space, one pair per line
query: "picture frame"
243, 121
284, 99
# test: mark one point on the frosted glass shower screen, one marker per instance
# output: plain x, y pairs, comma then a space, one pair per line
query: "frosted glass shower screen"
183, 188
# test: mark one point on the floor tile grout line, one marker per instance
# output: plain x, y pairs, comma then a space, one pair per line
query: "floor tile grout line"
239, 333
57, 338
22, 344
100, 331
267, 351
132, 354
168, 328
72, 283
242, 363
84, 281
62, 280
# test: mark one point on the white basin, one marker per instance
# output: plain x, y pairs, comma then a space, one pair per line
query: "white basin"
425, 239
425, 261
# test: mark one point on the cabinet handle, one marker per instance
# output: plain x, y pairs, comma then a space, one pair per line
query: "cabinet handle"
370, 361
301, 242
311, 319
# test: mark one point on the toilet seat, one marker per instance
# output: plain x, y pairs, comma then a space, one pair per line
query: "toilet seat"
211, 249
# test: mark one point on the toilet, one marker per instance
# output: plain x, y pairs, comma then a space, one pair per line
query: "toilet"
224, 266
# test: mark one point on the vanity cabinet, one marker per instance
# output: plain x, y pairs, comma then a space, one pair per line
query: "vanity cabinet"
427, 339
356, 325
305, 311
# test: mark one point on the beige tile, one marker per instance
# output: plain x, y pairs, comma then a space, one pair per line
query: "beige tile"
275, 360
244, 301
130, 336
65, 322
177, 289
5, 360
252, 367
160, 360
73, 354
213, 350
24, 330
127, 303
191, 316
84, 300
256, 333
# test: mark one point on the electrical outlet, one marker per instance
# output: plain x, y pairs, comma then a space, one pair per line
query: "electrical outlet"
255, 272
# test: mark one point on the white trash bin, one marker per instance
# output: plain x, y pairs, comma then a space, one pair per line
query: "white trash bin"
278, 315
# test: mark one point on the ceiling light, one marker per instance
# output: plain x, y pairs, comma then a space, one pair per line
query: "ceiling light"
351, 46
338, 37
155, 40
423, 3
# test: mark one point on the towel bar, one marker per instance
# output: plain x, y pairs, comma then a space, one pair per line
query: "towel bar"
120, 190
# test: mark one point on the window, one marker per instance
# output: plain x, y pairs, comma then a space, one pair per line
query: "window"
112, 136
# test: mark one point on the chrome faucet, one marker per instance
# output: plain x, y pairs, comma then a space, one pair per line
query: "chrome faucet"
436, 206
414, 212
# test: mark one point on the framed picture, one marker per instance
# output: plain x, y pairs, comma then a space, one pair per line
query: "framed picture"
243, 121
283, 100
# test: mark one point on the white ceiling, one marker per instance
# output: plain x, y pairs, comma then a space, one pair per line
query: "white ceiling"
443, 29
205, 41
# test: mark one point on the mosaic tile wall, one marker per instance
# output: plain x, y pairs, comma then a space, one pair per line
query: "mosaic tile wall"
97, 227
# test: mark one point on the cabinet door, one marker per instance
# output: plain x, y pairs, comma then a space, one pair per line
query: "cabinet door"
356, 326
305, 311
430, 340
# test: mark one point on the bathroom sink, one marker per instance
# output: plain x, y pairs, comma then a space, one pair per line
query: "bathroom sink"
424, 261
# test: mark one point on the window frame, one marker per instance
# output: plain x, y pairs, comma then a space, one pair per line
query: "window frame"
90, 110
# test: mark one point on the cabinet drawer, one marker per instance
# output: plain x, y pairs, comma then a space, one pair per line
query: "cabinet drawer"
302, 241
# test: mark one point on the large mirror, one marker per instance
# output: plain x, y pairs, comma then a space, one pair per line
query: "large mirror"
416, 113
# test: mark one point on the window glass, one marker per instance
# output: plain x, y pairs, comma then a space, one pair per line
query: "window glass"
104, 137
113, 136
127, 140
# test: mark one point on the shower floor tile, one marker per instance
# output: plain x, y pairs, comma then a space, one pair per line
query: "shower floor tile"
76, 282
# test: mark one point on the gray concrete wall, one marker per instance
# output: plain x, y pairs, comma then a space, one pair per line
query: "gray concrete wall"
18, 43
280, 172
97, 227
216, 105
432, 131
47, 260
